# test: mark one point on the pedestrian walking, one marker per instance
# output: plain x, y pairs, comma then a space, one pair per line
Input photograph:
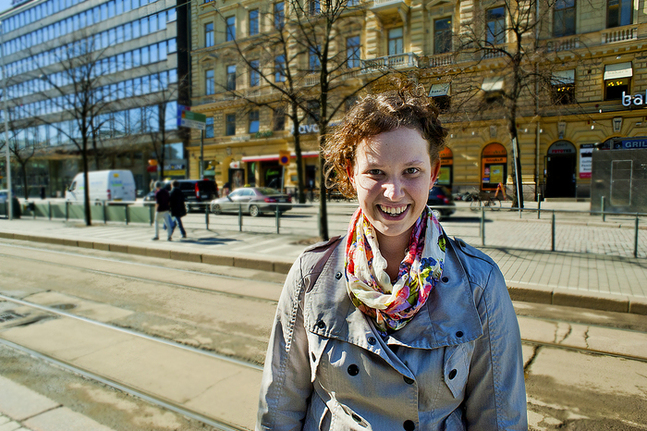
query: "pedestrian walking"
162, 210
178, 207
395, 326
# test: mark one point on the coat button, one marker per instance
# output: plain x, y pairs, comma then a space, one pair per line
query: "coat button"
459, 334
314, 358
372, 341
338, 275
356, 418
409, 425
353, 370
321, 324
452, 374
408, 380
445, 279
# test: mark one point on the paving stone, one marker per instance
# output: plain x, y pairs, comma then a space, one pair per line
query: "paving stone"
19, 402
64, 419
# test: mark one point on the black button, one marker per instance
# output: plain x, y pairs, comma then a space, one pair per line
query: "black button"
356, 418
461, 243
353, 370
459, 334
408, 380
372, 341
321, 324
452, 374
338, 275
445, 279
314, 358
409, 425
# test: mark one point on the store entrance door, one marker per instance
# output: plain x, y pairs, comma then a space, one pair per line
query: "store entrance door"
560, 170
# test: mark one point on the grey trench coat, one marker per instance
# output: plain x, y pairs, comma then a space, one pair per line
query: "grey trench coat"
457, 365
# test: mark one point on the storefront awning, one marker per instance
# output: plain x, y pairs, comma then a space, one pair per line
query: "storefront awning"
563, 77
618, 71
272, 157
438, 90
494, 83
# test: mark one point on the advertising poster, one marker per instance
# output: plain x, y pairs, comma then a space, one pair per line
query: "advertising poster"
586, 157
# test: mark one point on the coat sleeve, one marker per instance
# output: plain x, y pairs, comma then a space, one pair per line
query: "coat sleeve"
286, 386
496, 391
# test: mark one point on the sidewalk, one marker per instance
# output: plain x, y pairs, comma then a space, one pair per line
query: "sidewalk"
595, 281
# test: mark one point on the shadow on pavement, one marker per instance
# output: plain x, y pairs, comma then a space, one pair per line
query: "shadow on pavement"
207, 241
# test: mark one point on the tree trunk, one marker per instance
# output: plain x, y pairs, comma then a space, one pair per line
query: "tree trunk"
297, 150
23, 168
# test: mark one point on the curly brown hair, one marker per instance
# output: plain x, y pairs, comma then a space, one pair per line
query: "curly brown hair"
407, 106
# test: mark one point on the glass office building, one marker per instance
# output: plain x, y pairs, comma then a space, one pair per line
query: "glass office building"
116, 66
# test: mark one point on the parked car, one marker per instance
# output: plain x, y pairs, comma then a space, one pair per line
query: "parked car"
441, 201
252, 200
15, 205
195, 192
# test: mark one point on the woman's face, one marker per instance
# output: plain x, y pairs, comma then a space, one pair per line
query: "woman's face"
392, 175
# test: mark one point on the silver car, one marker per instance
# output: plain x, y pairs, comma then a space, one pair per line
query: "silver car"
252, 200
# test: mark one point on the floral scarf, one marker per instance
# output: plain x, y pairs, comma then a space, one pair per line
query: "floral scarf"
392, 305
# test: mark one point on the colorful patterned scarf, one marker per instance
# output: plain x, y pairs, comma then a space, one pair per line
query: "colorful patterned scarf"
392, 305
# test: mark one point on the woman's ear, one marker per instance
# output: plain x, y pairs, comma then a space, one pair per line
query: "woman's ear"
351, 174
435, 170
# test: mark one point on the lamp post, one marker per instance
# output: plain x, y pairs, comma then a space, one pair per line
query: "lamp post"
6, 126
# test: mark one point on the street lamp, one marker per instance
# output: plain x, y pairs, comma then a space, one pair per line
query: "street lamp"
6, 125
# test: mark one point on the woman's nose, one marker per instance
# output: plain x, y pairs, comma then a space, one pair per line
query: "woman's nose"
393, 189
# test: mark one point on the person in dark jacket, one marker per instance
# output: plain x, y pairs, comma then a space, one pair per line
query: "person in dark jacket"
178, 207
162, 207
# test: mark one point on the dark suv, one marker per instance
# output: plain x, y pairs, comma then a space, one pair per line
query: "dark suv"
196, 191
441, 201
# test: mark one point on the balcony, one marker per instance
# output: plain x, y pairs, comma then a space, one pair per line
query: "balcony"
563, 44
492, 53
387, 7
398, 61
440, 60
619, 35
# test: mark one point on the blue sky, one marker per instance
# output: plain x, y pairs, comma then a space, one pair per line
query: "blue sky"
4, 5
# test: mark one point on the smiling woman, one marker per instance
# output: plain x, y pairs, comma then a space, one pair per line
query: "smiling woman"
396, 326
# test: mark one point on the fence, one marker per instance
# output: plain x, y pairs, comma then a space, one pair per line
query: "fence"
620, 234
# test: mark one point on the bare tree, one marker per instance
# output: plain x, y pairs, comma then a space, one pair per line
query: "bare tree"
79, 82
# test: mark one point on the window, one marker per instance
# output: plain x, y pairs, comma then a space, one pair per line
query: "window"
253, 22
313, 112
231, 28
231, 77
564, 18
441, 96
230, 124
254, 75
352, 51
313, 60
254, 122
208, 133
617, 80
442, 35
209, 84
396, 41
563, 87
279, 68
279, 15
314, 7
619, 12
495, 31
208, 34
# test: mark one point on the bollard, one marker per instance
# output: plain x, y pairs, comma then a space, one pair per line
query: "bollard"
539, 207
483, 227
206, 216
636, 237
105, 216
49, 209
278, 218
602, 208
240, 217
33, 205
126, 214
150, 214
67, 211
552, 237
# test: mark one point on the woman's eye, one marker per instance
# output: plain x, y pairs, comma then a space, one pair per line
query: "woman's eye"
411, 171
374, 172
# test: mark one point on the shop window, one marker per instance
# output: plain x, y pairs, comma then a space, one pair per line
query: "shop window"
230, 124
619, 13
254, 123
495, 29
445, 175
442, 35
494, 166
396, 41
564, 18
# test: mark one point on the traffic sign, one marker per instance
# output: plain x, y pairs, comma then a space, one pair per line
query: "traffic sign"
189, 119
284, 158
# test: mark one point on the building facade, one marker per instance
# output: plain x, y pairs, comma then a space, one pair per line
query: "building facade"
580, 84
115, 66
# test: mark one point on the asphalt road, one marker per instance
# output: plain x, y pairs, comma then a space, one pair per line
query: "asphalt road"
579, 374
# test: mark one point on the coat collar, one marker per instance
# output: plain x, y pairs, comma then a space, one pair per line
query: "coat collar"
448, 318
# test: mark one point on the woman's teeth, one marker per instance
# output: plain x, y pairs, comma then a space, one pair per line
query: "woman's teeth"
394, 211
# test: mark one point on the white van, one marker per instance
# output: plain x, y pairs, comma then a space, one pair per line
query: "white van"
113, 185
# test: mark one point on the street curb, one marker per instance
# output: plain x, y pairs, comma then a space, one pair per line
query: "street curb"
535, 294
